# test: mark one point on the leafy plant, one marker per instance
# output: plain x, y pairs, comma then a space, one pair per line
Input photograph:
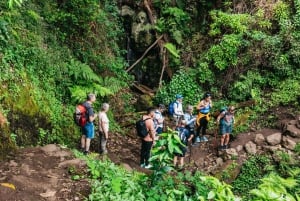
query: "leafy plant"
183, 82
252, 171
274, 187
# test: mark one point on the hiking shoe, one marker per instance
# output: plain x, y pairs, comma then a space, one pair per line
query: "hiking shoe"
194, 144
225, 146
198, 139
142, 165
148, 166
86, 152
222, 147
203, 139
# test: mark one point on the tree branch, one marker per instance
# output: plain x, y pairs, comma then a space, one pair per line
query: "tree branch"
149, 48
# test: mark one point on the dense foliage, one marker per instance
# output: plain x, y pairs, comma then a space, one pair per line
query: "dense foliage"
49, 63
52, 53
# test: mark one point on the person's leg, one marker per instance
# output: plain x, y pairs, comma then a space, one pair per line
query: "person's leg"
143, 150
147, 152
175, 161
204, 123
83, 139
181, 161
103, 142
222, 140
89, 128
226, 140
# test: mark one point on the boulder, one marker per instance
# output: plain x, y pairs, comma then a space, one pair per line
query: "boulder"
293, 131
288, 143
239, 148
50, 148
127, 167
230, 154
273, 148
250, 147
259, 139
219, 161
274, 139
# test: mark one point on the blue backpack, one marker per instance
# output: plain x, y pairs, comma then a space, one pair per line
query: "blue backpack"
171, 107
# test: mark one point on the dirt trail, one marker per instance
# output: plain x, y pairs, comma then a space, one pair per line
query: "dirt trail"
42, 173
39, 174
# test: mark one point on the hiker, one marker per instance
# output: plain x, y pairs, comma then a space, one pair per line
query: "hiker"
204, 107
225, 120
149, 140
190, 119
103, 127
88, 130
185, 137
159, 119
178, 111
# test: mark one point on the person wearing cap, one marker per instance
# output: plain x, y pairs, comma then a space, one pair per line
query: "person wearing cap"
226, 120
204, 107
178, 111
159, 119
190, 119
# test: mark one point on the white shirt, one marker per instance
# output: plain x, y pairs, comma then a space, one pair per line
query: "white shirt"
103, 122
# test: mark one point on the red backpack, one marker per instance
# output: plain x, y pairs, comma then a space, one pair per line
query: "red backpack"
80, 116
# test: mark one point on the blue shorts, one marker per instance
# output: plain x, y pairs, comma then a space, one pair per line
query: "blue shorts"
225, 128
88, 130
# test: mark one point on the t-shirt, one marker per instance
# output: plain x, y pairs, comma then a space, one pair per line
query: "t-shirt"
103, 122
157, 117
183, 134
178, 109
89, 110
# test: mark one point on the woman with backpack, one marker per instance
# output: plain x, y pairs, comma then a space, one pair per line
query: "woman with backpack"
226, 120
204, 107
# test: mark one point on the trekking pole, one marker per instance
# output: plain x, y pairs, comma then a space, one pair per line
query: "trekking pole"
216, 139
190, 147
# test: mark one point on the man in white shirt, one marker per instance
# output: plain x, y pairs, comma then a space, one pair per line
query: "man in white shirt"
159, 119
178, 111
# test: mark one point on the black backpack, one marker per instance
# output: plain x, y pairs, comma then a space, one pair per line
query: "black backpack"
141, 128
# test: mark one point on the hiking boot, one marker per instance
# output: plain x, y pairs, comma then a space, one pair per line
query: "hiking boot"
222, 147
225, 146
142, 165
148, 166
194, 144
203, 139
198, 139
86, 152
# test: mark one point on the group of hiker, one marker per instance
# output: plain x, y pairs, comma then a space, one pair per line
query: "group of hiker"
85, 117
189, 126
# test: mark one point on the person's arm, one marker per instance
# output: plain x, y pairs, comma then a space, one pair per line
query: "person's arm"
93, 116
151, 129
221, 115
200, 105
188, 121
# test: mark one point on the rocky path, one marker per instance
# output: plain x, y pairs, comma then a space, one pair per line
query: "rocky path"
44, 173
38, 174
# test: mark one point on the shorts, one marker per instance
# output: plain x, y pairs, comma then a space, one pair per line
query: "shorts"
88, 130
159, 130
183, 150
225, 128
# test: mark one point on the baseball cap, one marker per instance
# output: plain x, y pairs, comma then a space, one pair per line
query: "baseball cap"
179, 96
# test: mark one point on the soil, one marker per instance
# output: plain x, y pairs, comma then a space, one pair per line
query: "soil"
43, 173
